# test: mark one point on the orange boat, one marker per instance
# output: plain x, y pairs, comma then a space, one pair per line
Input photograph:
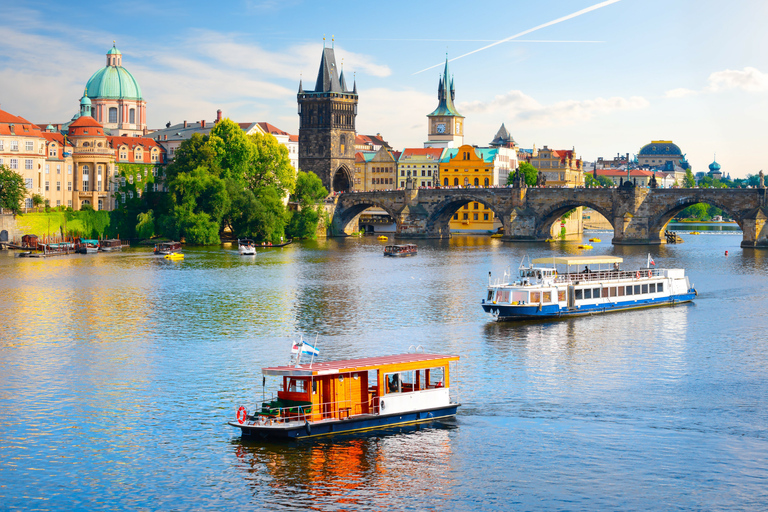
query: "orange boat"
353, 395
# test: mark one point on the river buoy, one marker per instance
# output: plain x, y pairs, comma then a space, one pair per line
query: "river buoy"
726, 253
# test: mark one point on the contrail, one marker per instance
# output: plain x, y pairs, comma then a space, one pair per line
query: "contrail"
548, 24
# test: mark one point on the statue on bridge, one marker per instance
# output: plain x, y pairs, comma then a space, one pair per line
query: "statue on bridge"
541, 180
518, 181
761, 183
652, 183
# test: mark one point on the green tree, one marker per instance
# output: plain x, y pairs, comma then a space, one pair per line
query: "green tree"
12, 190
145, 228
308, 193
528, 170
37, 200
689, 181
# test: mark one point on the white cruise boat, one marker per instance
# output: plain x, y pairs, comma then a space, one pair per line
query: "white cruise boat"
556, 287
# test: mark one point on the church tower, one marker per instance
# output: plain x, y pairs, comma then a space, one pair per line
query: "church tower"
327, 127
445, 126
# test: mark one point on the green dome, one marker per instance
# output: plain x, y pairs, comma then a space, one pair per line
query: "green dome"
113, 82
114, 51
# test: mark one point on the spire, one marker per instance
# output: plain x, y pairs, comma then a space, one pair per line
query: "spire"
327, 75
301, 89
354, 83
445, 94
341, 78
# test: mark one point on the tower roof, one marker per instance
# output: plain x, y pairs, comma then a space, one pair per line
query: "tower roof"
502, 137
445, 95
113, 81
328, 74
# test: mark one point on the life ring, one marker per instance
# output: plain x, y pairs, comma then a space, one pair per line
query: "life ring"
650, 274
308, 427
637, 275
242, 415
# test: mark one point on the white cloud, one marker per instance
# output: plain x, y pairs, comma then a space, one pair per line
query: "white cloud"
749, 79
518, 106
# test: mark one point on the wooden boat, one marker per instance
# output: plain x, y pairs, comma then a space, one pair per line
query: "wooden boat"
246, 247
164, 248
270, 245
401, 250
551, 287
86, 246
584, 246
353, 395
112, 245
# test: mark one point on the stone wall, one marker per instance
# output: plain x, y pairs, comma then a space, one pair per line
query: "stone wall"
8, 224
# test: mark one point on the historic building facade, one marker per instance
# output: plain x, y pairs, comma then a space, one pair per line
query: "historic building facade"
421, 164
327, 127
375, 170
445, 126
116, 101
561, 167
23, 150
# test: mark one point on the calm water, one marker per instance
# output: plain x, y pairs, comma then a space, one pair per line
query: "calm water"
118, 373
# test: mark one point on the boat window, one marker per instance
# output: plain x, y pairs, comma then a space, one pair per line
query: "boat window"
490, 294
561, 295
612, 292
596, 293
436, 377
502, 296
660, 287
629, 290
637, 289
578, 294
519, 297
652, 288
535, 296
547, 297
621, 291
314, 387
645, 288
297, 385
588, 293
408, 381
393, 382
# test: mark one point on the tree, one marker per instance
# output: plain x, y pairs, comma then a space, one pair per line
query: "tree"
689, 181
37, 200
12, 190
528, 170
308, 193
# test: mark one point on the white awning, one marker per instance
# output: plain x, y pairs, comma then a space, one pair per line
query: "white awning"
580, 260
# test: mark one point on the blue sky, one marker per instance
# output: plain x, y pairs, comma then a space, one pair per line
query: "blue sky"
605, 82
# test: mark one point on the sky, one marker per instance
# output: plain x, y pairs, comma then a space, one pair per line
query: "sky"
603, 77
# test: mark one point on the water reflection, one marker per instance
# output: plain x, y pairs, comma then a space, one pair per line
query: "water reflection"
374, 472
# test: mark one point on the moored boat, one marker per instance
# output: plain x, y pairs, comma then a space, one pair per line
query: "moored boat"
86, 246
111, 245
164, 248
246, 247
401, 250
334, 397
553, 287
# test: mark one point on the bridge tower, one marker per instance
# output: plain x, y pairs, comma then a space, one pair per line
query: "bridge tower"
445, 126
327, 126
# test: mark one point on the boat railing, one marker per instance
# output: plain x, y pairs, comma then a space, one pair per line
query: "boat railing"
341, 409
606, 275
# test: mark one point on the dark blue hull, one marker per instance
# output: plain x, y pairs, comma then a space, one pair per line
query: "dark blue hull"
529, 312
354, 424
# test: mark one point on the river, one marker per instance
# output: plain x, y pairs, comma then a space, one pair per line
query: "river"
118, 373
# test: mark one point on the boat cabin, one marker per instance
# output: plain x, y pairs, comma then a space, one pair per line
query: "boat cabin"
339, 390
167, 247
401, 250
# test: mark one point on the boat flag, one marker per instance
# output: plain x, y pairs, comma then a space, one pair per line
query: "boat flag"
650, 261
295, 347
306, 348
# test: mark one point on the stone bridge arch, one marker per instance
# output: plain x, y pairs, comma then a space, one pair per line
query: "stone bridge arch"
439, 222
349, 206
547, 217
665, 213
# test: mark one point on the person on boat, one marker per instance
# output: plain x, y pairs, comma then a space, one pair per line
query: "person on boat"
586, 269
616, 266
393, 383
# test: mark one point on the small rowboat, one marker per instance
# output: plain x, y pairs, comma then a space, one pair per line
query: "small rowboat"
174, 256
595, 240
585, 246
382, 238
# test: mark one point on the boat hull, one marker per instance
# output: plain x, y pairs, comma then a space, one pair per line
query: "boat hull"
361, 423
516, 312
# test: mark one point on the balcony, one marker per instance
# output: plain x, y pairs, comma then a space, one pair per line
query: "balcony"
94, 151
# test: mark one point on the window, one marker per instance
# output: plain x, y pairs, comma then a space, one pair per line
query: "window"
588, 293
645, 288
69, 203
652, 288
131, 119
612, 292
101, 202
445, 182
2, 145
485, 216
455, 182
28, 163
402, 172
69, 168
637, 289
621, 291
28, 202
466, 216
456, 216
561, 295
58, 168
30, 146
47, 186
85, 185
466, 182
85, 170
578, 294
47, 169
28, 183
476, 206
629, 290
52, 151
58, 202
58, 186
14, 163
14, 145
69, 186
486, 182
475, 216
112, 114
659, 287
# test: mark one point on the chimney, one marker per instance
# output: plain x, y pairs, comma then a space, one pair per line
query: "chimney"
218, 115
202, 123
185, 124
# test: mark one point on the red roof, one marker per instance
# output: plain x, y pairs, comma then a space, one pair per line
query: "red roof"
271, 129
638, 173
22, 127
433, 152
85, 121
356, 365
55, 136
132, 142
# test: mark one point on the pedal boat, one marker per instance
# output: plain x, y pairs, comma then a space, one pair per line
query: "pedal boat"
354, 395
553, 287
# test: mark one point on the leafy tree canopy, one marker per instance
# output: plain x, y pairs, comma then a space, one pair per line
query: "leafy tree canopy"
12, 190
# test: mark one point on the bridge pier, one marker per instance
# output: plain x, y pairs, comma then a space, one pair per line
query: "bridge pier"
755, 230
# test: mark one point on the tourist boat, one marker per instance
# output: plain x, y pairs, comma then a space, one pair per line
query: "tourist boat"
401, 250
164, 248
111, 245
246, 246
554, 287
353, 395
86, 246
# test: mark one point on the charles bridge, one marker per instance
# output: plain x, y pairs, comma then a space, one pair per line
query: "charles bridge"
638, 215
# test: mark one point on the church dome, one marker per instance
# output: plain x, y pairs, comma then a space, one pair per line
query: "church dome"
714, 166
661, 147
113, 81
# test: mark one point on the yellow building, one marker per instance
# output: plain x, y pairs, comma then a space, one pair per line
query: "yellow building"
560, 167
22, 149
421, 164
468, 167
375, 170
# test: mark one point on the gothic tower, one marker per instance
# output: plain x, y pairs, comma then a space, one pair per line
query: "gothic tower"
445, 126
327, 127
